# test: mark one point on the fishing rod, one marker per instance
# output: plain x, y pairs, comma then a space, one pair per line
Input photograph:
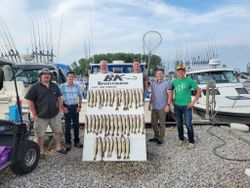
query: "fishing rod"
31, 38
14, 49
51, 43
39, 44
35, 41
46, 41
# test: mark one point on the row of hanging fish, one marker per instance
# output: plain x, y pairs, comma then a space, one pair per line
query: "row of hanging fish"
116, 98
115, 125
105, 147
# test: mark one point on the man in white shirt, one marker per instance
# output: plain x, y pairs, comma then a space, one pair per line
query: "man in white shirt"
104, 67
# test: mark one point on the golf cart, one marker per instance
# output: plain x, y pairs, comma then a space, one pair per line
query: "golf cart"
25, 154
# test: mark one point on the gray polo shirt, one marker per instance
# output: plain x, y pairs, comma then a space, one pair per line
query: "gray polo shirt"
159, 94
45, 99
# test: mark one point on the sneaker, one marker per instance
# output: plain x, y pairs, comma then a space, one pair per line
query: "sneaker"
159, 143
180, 143
78, 145
190, 146
68, 147
153, 140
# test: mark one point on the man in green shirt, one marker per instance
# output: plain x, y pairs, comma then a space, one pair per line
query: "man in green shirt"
182, 87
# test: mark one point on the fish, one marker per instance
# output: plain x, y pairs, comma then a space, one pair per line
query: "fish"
108, 97
116, 99
135, 98
115, 125
124, 99
105, 126
119, 148
116, 146
100, 124
100, 148
137, 94
138, 120
112, 125
108, 146
111, 147
112, 97
142, 127
142, 97
90, 121
88, 97
95, 148
93, 124
97, 124
104, 148
123, 147
135, 123
99, 100
120, 97
95, 98
127, 125
127, 148
108, 124
130, 98
123, 125
119, 125
86, 123
131, 120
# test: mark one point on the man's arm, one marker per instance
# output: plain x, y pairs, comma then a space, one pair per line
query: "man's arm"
197, 96
170, 98
32, 109
60, 104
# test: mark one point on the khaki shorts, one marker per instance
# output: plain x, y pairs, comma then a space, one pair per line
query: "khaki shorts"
41, 124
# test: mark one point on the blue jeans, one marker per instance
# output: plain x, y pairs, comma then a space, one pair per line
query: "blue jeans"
71, 116
187, 112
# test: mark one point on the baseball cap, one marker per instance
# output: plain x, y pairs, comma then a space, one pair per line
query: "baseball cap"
181, 67
45, 71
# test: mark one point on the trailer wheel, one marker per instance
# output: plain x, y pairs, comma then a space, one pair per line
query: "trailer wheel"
29, 160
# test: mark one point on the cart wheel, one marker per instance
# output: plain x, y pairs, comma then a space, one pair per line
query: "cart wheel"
29, 159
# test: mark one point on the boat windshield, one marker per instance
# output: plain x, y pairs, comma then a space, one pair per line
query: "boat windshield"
217, 76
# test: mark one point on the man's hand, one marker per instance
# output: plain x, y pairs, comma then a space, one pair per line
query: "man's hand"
167, 108
78, 109
33, 116
65, 110
191, 105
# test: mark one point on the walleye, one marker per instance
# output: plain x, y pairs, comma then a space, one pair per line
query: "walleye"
115, 124
95, 98
95, 147
127, 99
142, 97
86, 123
127, 125
138, 123
108, 146
90, 124
116, 100
127, 148
104, 148
116, 146
111, 147
108, 97
100, 148
131, 119
99, 100
108, 124
93, 124
135, 98
112, 125
123, 125
97, 124
91, 98
130, 98
100, 124
119, 148
119, 125
142, 127
135, 123
123, 147
101, 97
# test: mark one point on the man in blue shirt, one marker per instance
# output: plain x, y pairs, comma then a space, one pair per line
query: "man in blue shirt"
160, 100
72, 100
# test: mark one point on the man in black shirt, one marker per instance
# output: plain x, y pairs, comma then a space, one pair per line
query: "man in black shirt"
45, 104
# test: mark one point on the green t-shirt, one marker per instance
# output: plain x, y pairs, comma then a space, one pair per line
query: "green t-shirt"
182, 90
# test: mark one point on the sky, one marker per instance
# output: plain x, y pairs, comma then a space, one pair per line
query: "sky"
118, 26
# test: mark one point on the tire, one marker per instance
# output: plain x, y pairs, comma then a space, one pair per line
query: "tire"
29, 160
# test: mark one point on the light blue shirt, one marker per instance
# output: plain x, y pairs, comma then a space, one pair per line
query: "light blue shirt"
159, 94
70, 93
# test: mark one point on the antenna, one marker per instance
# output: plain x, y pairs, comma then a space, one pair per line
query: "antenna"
59, 41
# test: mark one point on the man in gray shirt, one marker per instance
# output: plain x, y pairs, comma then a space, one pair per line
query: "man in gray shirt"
160, 100
45, 104
104, 67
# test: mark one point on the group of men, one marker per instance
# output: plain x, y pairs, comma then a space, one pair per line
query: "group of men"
46, 101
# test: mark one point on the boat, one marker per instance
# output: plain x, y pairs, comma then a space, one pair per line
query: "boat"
232, 99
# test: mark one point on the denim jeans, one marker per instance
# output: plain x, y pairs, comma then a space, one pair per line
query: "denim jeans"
71, 116
187, 112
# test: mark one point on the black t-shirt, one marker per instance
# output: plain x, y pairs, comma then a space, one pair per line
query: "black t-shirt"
45, 99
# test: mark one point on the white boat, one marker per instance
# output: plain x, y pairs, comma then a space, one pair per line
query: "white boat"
231, 97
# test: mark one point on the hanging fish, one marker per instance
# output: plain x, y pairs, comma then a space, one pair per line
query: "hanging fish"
142, 97
124, 97
115, 124
112, 98
97, 124
100, 148
142, 127
138, 119
116, 146
123, 125
95, 148
99, 100
108, 124
86, 124
119, 125
89, 97
95, 98
127, 148
116, 100
127, 125
130, 98
108, 98
108, 146
104, 148
135, 123
135, 98
123, 147
90, 124
119, 148
112, 125
111, 147
131, 123
100, 124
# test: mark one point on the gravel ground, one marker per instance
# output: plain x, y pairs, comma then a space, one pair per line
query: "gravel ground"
167, 166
